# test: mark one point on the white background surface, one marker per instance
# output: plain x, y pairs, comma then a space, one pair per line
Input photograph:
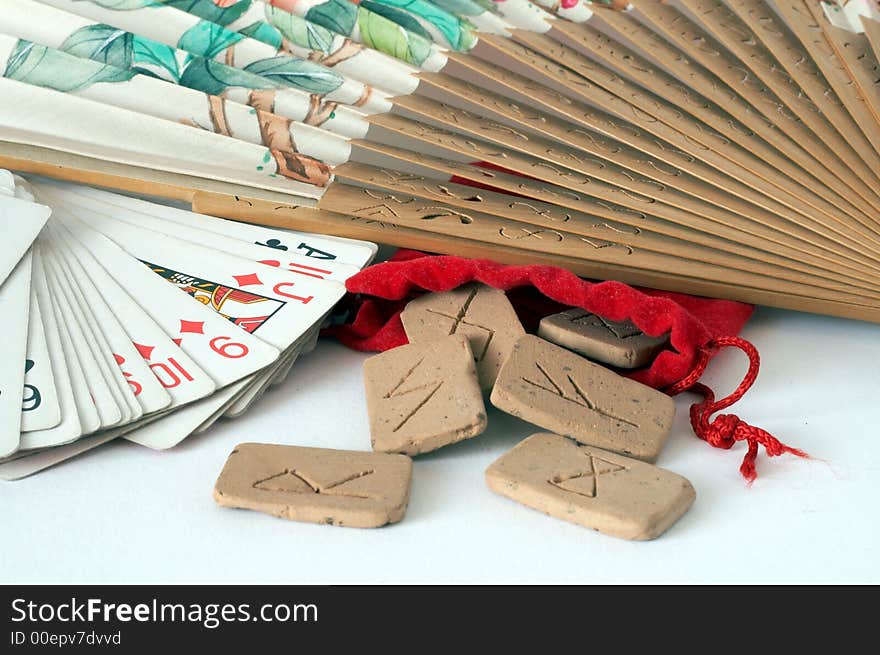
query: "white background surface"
124, 514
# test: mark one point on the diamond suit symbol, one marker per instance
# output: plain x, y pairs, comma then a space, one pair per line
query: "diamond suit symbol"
145, 351
247, 280
195, 327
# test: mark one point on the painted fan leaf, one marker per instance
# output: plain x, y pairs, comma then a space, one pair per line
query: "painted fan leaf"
221, 13
385, 36
214, 78
297, 73
262, 31
398, 16
489, 5
207, 39
458, 32
155, 59
125, 5
460, 7
336, 15
42, 66
102, 43
300, 31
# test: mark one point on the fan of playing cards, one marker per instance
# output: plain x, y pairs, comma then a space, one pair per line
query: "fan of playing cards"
110, 348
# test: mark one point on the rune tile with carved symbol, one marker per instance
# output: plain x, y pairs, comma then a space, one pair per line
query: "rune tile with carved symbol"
482, 314
563, 392
617, 343
316, 485
594, 488
423, 396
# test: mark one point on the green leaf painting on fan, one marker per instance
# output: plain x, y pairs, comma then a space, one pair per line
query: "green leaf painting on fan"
167, 23
101, 43
387, 36
54, 69
107, 44
122, 5
484, 19
222, 12
300, 31
402, 37
41, 66
157, 59
208, 39
298, 73
444, 28
294, 35
355, 22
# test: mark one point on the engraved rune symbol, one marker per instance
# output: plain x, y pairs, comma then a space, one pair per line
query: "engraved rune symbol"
529, 233
382, 208
459, 320
585, 482
400, 389
295, 482
442, 212
619, 330
575, 394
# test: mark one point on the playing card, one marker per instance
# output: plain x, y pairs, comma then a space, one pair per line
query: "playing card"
39, 409
70, 426
89, 353
175, 371
7, 183
22, 189
14, 303
85, 408
320, 248
144, 387
247, 396
276, 328
276, 305
123, 392
223, 351
30, 462
22, 221
104, 217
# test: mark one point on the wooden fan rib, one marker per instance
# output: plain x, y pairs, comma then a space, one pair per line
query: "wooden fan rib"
835, 225
300, 218
872, 36
701, 81
557, 165
775, 166
716, 159
270, 208
391, 191
826, 77
665, 24
602, 200
406, 210
855, 52
831, 122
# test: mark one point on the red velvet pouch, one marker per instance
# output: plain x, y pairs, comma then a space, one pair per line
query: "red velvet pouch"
698, 327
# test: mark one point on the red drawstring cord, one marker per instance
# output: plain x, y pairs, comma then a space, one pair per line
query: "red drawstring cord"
727, 429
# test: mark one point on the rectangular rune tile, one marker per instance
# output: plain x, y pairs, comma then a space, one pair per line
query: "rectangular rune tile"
597, 489
617, 343
423, 396
483, 314
563, 392
316, 485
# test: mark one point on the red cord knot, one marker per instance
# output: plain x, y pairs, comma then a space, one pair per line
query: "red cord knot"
726, 429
